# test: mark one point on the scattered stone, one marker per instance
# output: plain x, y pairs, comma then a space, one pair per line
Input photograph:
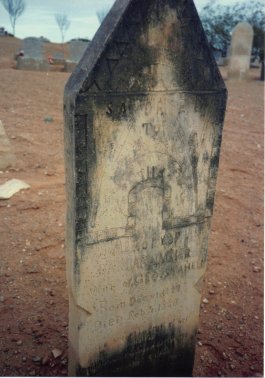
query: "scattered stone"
19, 342
48, 119
212, 292
24, 359
32, 373
36, 359
2, 299
11, 187
232, 367
56, 353
205, 300
256, 269
199, 343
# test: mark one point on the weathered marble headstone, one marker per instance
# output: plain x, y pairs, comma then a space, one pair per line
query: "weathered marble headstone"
76, 50
241, 45
58, 55
262, 75
144, 111
7, 158
33, 56
32, 47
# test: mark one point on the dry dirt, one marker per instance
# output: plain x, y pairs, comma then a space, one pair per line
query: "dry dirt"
33, 297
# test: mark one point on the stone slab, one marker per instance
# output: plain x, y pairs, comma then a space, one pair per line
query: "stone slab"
11, 187
30, 64
69, 66
33, 48
144, 112
7, 157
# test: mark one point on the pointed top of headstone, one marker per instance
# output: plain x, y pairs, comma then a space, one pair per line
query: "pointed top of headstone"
136, 43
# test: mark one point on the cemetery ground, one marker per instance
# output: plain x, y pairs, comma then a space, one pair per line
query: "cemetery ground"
33, 288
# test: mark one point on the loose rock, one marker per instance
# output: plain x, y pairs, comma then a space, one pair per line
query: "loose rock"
56, 353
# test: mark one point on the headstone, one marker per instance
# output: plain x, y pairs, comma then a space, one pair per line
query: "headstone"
144, 112
58, 55
262, 76
241, 45
7, 158
32, 47
33, 56
76, 50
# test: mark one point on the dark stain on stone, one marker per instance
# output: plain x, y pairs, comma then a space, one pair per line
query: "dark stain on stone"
159, 352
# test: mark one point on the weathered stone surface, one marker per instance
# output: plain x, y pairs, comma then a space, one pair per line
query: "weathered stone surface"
7, 158
144, 111
31, 64
69, 66
241, 45
32, 47
33, 56
11, 187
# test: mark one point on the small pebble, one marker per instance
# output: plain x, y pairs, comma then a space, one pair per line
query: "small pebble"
56, 353
212, 292
205, 300
2, 299
19, 342
256, 269
36, 359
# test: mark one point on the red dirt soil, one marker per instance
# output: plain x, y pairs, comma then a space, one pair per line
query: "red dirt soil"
33, 288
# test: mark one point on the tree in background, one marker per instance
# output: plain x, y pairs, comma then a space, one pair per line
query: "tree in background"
101, 15
63, 24
219, 20
14, 8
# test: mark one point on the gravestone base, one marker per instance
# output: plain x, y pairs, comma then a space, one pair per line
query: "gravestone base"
31, 64
237, 68
69, 66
